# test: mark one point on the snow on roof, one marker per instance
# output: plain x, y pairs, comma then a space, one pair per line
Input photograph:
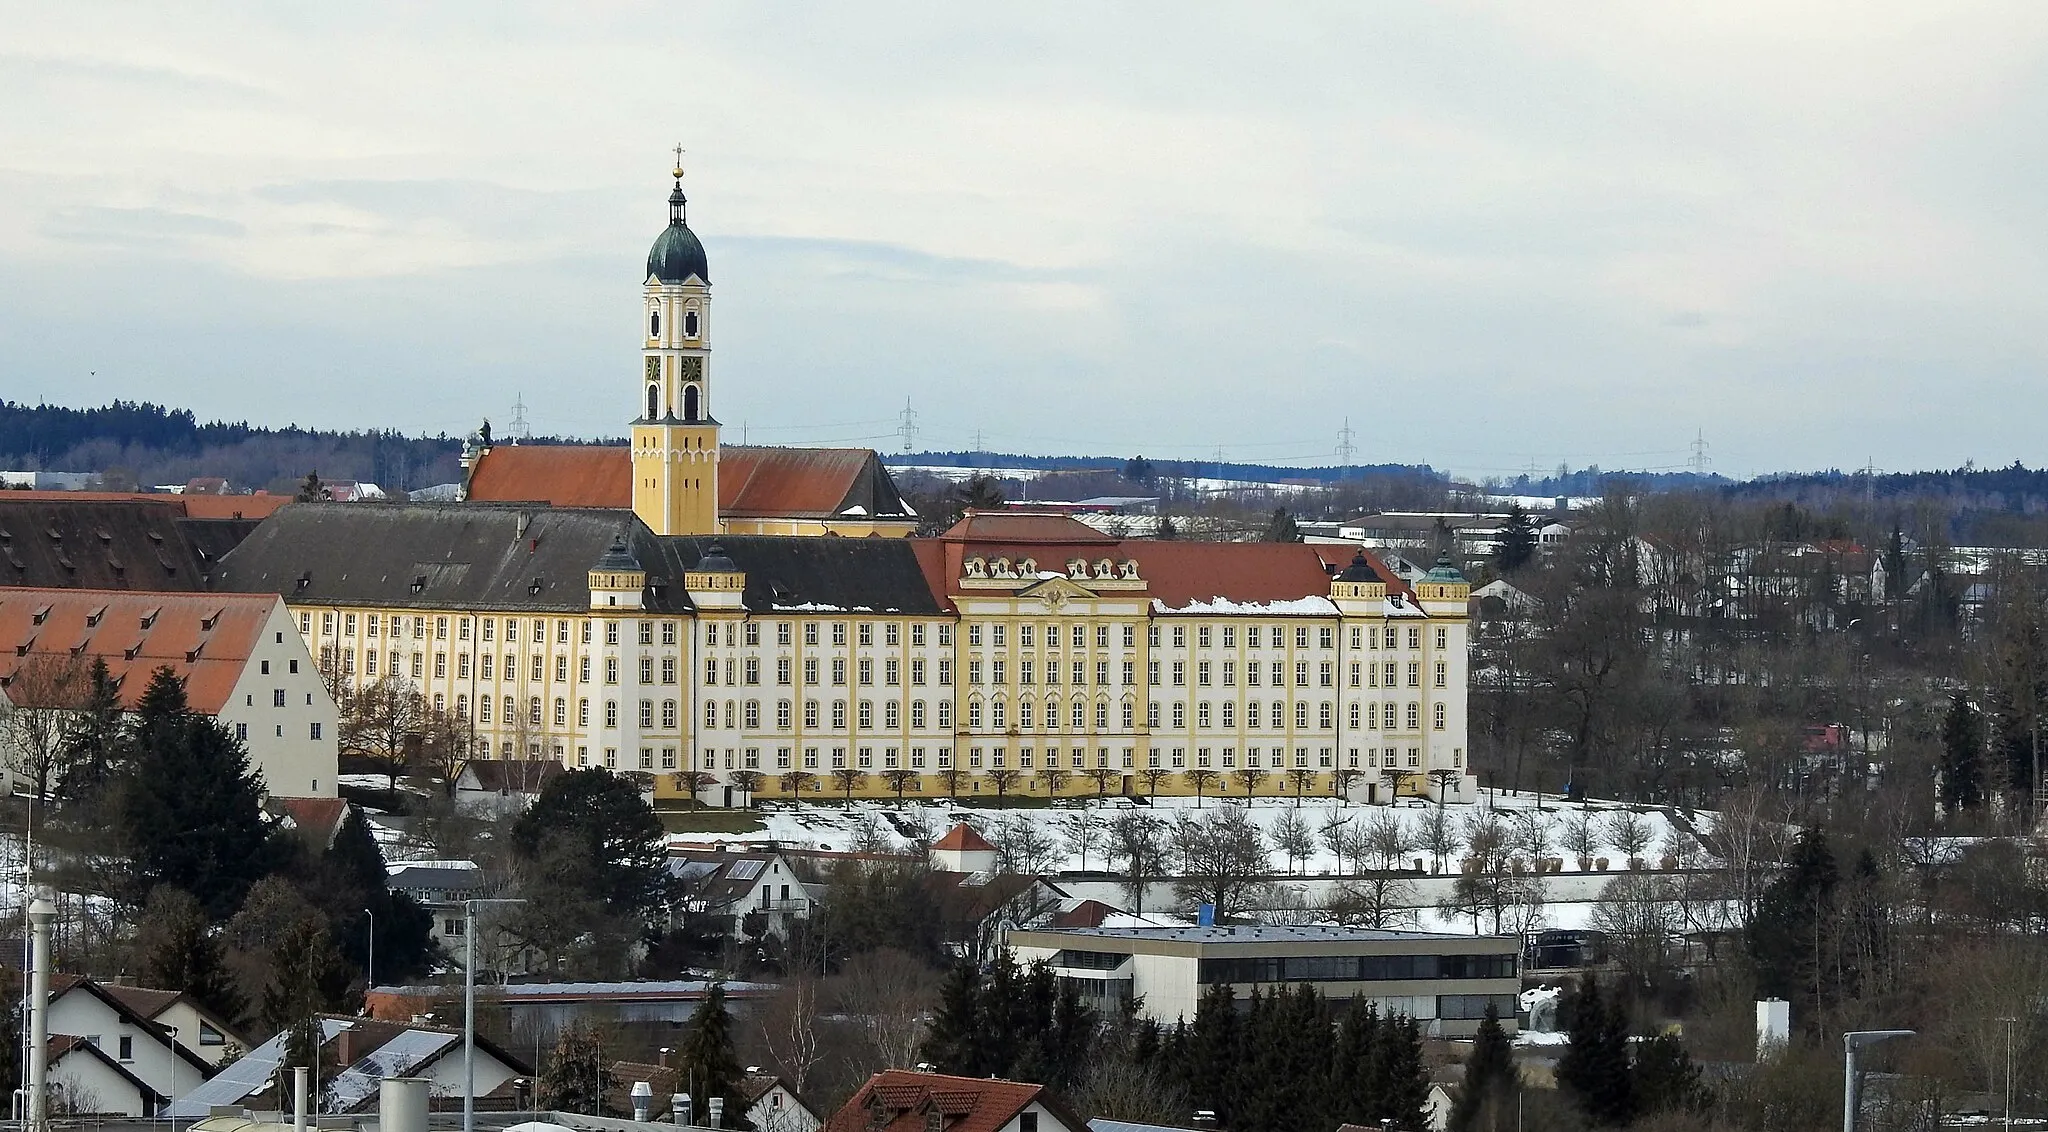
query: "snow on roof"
1309, 606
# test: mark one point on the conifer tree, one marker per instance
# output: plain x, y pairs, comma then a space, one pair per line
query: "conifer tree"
1594, 1071
193, 818
1490, 1078
1962, 756
952, 1042
353, 881
1281, 527
1351, 1085
1791, 933
576, 1079
93, 747
1666, 1080
1212, 1052
706, 1065
176, 950
1517, 540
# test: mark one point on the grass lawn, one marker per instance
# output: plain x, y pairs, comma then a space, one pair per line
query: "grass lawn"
709, 821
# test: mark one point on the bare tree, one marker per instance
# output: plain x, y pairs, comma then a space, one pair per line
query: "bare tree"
1582, 836
1629, 832
848, 779
1440, 836
384, 723
47, 692
888, 995
1137, 848
1021, 847
1102, 776
1339, 837
788, 1024
1379, 901
1531, 833
691, 783
795, 781
899, 780
1249, 778
1003, 778
1082, 835
1050, 776
1387, 839
1152, 776
1200, 780
1222, 859
1292, 834
1639, 915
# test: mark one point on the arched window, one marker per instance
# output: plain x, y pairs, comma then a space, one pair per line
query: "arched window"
690, 324
653, 402
690, 403
654, 324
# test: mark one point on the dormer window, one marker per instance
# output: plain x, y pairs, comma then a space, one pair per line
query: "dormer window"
934, 1121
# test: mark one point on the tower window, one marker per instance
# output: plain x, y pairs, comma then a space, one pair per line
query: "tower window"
690, 403
653, 402
690, 324
654, 324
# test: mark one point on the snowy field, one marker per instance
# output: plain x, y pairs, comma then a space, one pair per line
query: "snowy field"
838, 828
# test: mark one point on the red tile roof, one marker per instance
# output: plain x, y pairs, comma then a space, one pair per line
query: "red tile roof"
205, 638
1086, 914
316, 820
896, 1100
963, 838
258, 506
1178, 573
146, 1001
1026, 526
752, 482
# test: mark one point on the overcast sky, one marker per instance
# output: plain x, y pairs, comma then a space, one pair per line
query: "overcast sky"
1490, 236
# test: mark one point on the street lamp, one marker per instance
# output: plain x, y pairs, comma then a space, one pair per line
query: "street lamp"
469, 1006
2008, 1071
1851, 1042
370, 966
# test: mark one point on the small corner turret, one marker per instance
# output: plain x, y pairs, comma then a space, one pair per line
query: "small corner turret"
715, 582
617, 580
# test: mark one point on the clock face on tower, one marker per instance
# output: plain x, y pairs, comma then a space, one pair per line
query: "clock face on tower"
654, 369
692, 368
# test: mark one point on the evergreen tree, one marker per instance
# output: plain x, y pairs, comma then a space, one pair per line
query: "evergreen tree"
1793, 929
311, 490
193, 818
354, 892
1594, 1070
308, 977
953, 1040
1397, 1053
1517, 540
1666, 1080
576, 1079
1962, 756
1212, 1052
1352, 1090
1490, 1078
176, 950
1138, 470
1895, 581
1166, 531
1281, 527
93, 746
601, 819
706, 1065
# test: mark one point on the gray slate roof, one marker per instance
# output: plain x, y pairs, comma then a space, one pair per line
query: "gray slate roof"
129, 544
790, 572
460, 556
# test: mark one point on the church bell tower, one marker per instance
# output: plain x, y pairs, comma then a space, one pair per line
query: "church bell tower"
675, 438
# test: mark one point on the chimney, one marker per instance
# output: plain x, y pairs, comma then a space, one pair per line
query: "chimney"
643, 1099
345, 1046
661, 1056
679, 1106
714, 1111
402, 1104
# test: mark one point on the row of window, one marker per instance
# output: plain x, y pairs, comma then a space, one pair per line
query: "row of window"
747, 671
1361, 716
1354, 968
1081, 759
747, 714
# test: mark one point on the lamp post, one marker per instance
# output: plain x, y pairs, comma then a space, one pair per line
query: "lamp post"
2008, 1071
370, 965
469, 1006
1851, 1042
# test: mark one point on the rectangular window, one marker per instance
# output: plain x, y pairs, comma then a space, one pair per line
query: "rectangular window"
866, 636
782, 633
783, 673
839, 633
892, 671
1202, 673
917, 642
917, 672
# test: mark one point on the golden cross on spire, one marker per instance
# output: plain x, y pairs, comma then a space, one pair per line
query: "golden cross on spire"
679, 163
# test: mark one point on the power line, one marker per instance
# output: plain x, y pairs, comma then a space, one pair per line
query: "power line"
1699, 460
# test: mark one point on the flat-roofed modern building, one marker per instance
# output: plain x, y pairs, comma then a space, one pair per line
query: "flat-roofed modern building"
1427, 976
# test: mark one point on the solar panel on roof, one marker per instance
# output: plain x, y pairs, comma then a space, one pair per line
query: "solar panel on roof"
746, 870
249, 1074
395, 1058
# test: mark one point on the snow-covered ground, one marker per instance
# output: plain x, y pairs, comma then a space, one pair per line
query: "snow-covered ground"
838, 827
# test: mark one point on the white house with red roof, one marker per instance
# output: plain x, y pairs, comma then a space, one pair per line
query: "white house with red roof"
240, 656
898, 1100
963, 850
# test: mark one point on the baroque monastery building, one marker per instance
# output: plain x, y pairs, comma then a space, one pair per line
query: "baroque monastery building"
683, 609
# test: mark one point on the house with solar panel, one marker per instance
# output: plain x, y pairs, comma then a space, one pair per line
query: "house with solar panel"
364, 1052
756, 894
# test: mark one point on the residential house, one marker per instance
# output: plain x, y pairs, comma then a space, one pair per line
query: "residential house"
898, 1100
122, 1023
366, 1050
240, 657
720, 890
183, 1019
440, 887
316, 822
769, 1103
87, 1081
501, 788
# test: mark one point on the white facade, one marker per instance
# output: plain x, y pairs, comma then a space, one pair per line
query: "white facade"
280, 708
140, 1049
